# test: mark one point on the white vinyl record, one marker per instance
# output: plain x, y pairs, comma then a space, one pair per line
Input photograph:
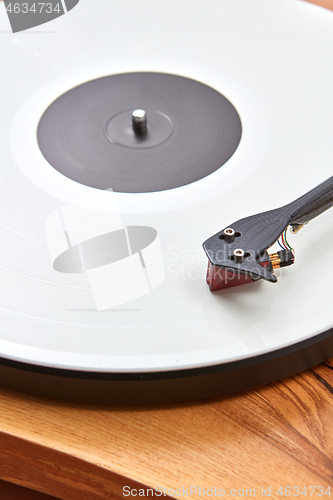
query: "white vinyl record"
274, 62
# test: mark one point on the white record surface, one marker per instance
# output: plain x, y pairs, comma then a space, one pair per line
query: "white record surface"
274, 61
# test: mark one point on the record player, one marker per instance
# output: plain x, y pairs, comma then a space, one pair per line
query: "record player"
132, 133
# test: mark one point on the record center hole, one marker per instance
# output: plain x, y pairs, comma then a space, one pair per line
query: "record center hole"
131, 129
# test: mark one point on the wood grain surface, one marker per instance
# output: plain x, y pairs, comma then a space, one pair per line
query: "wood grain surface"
327, 4
277, 435
10, 491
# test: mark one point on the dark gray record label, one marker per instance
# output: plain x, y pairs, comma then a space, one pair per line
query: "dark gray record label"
87, 134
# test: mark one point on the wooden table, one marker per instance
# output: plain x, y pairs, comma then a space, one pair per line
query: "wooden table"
279, 435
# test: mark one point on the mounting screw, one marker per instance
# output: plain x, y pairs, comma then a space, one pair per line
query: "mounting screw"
229, 234
239, 255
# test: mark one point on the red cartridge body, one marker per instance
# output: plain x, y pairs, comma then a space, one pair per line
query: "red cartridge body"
219, 278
